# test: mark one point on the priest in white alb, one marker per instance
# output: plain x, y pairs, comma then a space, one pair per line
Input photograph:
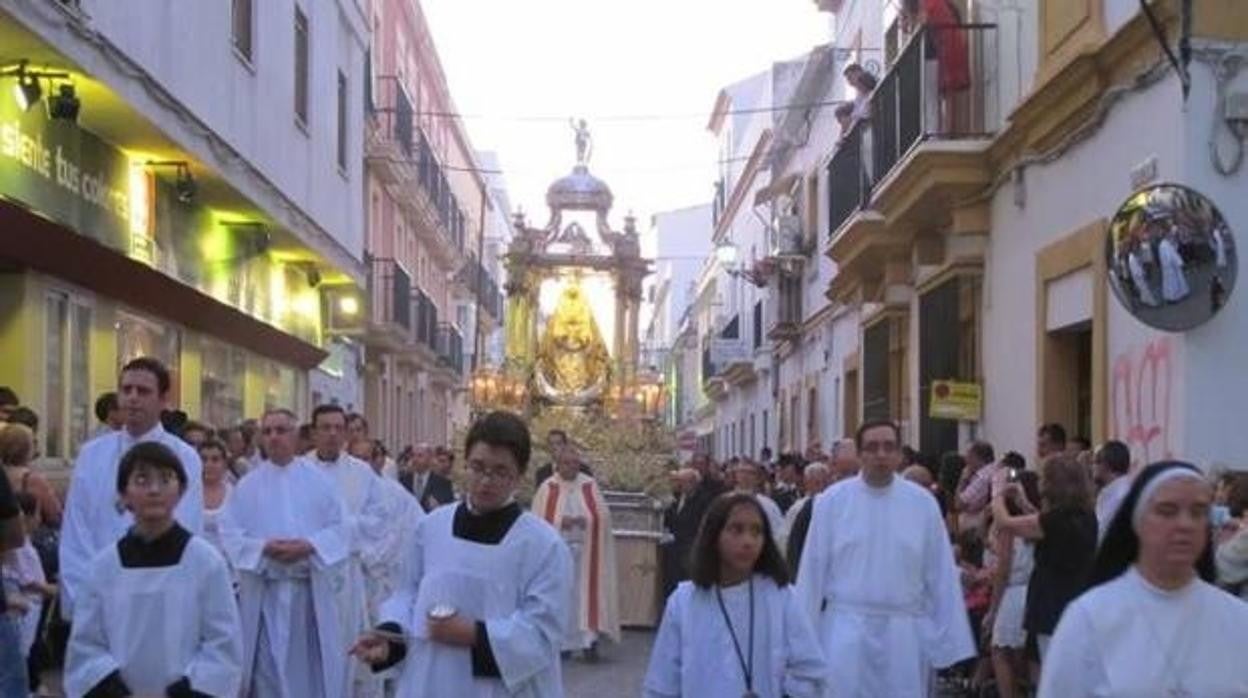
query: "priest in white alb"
364, 510
285, 532
94, 518
571, 502
481, 609
879, 579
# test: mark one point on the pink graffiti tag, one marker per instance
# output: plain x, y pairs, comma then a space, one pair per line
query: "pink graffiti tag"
1140, 397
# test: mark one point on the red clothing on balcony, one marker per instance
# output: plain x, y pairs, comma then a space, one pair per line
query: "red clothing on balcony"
952, 57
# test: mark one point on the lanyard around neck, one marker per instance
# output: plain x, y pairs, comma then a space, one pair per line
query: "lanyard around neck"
747, 668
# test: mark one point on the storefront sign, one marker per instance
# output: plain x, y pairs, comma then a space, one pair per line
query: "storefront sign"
953, 400
65, 173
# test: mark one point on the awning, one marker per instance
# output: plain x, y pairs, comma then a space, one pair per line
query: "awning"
53, 249
783, 186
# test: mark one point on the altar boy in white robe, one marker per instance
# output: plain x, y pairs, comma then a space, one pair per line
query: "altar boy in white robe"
156, 614
364, 511
571, 502
879, 579
94, 520
285, 532
481, 610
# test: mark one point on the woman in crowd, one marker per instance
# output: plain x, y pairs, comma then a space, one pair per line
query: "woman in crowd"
217, 488
17, 450
737, 628
1003, 625
1232, 547
1153, 623
1063, 529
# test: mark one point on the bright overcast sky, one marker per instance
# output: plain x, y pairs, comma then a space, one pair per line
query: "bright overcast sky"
509, 60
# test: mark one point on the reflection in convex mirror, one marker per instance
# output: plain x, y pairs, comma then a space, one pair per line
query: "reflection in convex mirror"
1171, 257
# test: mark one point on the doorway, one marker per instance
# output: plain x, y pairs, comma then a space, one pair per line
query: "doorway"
1068, 378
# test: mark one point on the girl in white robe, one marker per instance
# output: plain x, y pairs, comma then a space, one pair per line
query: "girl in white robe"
157, 614
1153, 623
737, 628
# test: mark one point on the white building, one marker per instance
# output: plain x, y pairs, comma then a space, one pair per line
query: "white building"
212, 177
732, 323
979, 254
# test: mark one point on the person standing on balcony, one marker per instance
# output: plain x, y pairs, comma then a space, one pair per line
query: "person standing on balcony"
946, 46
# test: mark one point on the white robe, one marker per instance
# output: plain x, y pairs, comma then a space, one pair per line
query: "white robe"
520, 589
879, 578
1130, 639
694, 655
94, 518
293, 604
1140, 279
1174, 286
157, 625
364, 510
594, 606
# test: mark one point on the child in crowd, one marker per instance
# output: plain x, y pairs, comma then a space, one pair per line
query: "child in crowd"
157, 615
739, 598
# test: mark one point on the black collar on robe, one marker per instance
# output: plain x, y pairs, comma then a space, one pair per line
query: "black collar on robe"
489, 528
163, 551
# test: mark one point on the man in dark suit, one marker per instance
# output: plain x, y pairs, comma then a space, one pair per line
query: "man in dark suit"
431, 489
556, 439
695, 490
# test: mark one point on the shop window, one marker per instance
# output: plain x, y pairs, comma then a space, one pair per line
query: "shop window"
221, 383
66, 419
138, 336
280, 387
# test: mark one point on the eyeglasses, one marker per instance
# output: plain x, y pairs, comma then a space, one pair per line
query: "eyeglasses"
497, 474
268, 431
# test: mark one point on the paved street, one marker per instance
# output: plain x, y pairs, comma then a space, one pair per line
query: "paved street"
618, 672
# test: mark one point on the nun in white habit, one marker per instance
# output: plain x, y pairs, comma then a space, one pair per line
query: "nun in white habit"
1153, 624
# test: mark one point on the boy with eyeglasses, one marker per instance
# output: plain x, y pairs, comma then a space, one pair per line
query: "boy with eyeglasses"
156, 615
481, 609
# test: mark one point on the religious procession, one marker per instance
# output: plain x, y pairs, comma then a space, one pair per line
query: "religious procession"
911, 369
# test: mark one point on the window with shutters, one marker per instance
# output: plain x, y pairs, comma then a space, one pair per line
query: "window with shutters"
301, 68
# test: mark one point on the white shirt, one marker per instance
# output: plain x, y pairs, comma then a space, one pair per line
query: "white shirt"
1129, 639
94, 518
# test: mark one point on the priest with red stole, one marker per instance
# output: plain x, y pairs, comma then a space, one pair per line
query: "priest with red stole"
571, 502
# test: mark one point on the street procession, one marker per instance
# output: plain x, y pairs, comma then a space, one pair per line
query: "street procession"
696, 349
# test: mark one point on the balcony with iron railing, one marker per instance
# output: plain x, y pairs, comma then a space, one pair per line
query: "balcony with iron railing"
476, 284
425, 320
390, 308
446, 225
450, 347
389, 143
924, 144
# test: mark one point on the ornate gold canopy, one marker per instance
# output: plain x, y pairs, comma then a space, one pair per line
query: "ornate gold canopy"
562, 361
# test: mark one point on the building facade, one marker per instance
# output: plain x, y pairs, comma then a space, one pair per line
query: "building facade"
975, 248
214, 224
427, 205
680, 241
737, 368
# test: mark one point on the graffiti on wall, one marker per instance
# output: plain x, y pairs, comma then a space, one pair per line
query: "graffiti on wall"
1141, 396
